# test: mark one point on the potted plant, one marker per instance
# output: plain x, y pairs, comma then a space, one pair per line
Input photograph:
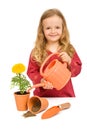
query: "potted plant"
20, 81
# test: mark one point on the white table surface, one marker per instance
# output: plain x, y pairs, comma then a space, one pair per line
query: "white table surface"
70, 119
74, 118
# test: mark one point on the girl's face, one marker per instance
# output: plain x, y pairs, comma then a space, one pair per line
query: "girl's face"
52, 28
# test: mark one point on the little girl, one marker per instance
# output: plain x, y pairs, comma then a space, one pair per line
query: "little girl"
53, 37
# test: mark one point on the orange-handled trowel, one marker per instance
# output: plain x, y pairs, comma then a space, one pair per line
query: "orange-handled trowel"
55, 110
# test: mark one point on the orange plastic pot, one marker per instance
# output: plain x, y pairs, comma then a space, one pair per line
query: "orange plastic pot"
56, 73
37, 104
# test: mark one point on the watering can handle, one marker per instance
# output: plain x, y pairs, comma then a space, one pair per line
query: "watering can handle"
42, 66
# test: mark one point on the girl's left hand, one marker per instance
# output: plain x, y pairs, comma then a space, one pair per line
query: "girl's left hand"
65, 57
48, 84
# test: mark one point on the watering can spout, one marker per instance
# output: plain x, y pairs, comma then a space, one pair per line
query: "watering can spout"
37, 85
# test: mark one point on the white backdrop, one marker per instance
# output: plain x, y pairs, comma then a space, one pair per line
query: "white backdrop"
18, 28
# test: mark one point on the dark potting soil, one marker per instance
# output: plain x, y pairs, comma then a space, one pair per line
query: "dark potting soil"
28, 114
36, 106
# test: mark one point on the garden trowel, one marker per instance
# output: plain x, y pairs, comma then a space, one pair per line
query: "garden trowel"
55, 110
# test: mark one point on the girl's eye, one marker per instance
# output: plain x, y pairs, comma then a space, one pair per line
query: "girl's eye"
57, 27
48, 28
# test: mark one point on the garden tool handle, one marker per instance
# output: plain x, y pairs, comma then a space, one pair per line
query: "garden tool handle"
64, 106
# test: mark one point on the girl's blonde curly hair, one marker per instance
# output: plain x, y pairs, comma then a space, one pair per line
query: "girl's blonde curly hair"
39, 52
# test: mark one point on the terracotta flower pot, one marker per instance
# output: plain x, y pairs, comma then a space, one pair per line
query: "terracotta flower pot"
21, 101
37, 104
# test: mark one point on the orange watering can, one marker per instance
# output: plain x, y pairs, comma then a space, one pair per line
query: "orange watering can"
56, 73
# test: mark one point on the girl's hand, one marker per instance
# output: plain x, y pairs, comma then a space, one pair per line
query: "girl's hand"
65, 57
48, 84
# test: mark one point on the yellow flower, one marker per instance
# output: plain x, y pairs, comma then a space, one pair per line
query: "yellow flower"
18, 68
